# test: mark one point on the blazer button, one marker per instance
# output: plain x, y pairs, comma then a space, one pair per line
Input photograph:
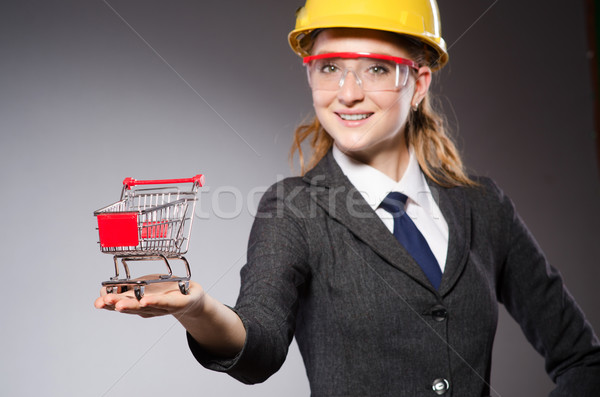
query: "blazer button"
439, 313
440, 386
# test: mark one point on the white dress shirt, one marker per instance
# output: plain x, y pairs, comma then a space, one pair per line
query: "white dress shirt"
374, 186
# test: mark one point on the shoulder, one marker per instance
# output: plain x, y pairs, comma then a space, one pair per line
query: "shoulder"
284, 194
487, 196
485, 203
286, 185
280, 224
292, 188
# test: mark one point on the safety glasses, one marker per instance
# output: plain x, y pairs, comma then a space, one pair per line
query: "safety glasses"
372, 72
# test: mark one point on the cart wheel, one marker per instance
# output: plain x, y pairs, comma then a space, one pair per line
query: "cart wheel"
139, 292
109, 290
184, 287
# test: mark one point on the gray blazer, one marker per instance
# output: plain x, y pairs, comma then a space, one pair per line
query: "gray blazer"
323, 267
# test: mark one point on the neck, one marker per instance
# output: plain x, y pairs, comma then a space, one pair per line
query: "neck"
391, 160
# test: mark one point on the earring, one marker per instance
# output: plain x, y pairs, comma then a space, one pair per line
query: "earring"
415, 107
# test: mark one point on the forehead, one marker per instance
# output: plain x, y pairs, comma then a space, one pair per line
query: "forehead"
357, 40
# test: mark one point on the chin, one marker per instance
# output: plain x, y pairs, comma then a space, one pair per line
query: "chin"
347, 146
357, 152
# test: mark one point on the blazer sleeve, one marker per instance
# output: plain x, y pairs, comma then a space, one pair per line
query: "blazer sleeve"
272, 280
534, 294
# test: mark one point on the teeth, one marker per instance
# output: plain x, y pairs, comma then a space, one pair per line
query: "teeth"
353, 117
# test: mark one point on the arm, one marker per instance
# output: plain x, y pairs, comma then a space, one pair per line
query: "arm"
534, 294
249, 342
273, 280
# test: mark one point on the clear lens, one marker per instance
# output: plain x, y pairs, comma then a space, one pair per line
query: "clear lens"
371, 74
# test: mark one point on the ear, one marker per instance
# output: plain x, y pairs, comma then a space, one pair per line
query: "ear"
422, 83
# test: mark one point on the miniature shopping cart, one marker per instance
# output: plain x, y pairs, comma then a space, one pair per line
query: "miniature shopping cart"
151, 223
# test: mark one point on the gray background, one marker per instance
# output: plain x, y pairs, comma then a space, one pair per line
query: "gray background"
213, 88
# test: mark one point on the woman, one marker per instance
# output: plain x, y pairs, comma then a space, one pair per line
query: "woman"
381, 303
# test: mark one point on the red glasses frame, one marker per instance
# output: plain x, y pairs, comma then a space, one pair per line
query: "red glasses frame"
354, 55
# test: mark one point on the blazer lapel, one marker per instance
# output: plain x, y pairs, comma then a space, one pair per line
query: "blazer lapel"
333, 192
457, 212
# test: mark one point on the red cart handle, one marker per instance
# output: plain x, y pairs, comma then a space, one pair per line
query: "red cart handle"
198, 180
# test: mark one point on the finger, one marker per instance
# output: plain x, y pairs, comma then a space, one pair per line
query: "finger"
100, 304
125, 302
107, 301
167, 299
145, 312
113, 298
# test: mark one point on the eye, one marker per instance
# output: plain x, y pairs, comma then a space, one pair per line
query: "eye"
328, 68
378, 70
325, 66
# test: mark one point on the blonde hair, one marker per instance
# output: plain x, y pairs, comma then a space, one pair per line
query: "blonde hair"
425, 131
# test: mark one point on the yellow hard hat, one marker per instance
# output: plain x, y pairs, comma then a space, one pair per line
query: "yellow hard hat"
416, 18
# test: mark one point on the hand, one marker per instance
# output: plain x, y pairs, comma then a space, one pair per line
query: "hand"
213, 325
159, 299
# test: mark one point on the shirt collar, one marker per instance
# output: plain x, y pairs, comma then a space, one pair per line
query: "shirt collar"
374, 185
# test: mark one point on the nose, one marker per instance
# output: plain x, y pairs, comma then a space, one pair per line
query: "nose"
350, 88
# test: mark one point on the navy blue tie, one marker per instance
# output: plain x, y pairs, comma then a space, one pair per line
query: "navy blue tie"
411, 238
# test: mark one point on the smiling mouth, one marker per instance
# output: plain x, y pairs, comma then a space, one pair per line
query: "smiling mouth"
354, 117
